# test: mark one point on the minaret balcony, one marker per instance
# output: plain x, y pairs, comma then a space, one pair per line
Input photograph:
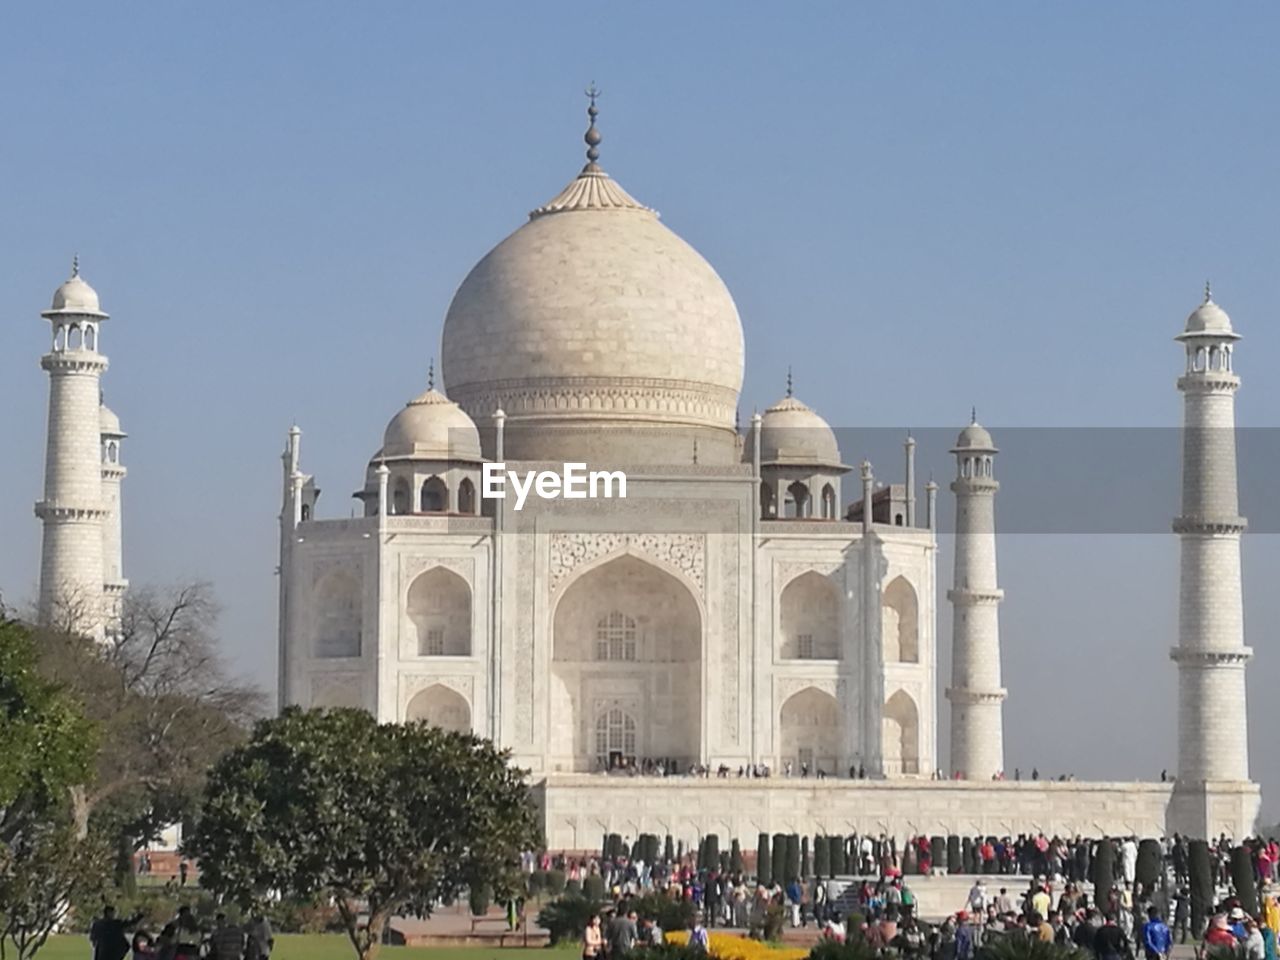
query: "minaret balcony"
1210, 526
1211, 658
975, 597
1209, 381
963, 695
50, 510
74, 361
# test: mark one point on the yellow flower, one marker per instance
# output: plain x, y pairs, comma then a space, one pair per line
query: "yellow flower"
729, 946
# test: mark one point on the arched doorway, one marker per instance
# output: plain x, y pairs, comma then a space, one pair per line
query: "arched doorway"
439, 610
615, 739
809, 732
828, 502
435, 496
627, 637
797, 501
466, 497
899, 624
810, 619
441, 707
901, 744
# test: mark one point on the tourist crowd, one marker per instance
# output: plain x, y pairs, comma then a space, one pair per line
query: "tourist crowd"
182, 938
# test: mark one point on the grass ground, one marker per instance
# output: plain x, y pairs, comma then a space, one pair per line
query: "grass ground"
327, 947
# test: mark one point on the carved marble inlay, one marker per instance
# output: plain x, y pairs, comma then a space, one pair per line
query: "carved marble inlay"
784, 571
685, 552
464, 567
787, 687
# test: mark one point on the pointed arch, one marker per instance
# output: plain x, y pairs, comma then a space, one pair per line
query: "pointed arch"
809, 731
441, 707
797, 502
438, 606
810, 619
828, 502
900, 622
900, 745
435, 496
466, 497
338, 613
627, 633
400, 497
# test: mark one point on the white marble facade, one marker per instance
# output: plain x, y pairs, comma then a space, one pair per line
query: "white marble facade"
740, 605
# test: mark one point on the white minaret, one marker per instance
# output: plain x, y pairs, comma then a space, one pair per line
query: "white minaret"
71, 562
1213, 741
977, 718
113, 471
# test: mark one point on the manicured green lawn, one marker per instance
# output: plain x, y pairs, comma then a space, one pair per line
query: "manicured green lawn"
328, 947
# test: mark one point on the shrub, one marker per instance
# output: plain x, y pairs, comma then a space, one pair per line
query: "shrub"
1103, 872
792, 849
853, 948
593, 887
1202, 885
1242, 879
668, 849
764, 861
806, 862
536, 882
769, 926
1147, 870
839, 864
565, 918
555, 883
779, 858
573, 888
479, 899
1028, 948
938, 852
735, 857
821, 857
711, 847
669, 914
955, 855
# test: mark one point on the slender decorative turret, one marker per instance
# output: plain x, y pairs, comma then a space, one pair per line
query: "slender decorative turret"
977, 721
113, 472
71, 564
1211, 656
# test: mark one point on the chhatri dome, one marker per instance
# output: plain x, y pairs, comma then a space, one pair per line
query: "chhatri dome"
1209, 319
431, 427
603, 335
791, 433
74, 296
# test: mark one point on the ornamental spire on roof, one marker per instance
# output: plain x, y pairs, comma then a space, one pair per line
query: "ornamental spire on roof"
592, 189
593, 136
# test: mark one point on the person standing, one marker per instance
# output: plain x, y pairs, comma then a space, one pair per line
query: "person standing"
108, 936
226, 942
1157, 941
592, 939
259, 939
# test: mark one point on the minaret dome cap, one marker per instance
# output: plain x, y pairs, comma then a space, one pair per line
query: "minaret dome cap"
1209, 320
974, 437
75, 297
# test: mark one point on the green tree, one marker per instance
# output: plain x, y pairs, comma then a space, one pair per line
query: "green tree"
821, 857
792, 849
735, 857
1103, 872
381, 818
47, 861
165, 705
764, 860
1242, 879
1202, 884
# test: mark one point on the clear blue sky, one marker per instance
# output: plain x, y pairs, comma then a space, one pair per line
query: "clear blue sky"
919, 208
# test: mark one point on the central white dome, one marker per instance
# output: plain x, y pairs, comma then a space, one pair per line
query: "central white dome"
592, 323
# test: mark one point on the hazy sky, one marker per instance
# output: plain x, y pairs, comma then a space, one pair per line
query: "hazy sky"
919, 208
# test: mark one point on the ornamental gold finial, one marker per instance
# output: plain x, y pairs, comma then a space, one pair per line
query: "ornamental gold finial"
592, 137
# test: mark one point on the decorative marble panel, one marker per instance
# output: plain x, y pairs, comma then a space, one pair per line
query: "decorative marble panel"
685, 552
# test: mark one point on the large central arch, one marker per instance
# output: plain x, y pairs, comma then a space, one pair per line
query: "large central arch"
809, 731
626, 650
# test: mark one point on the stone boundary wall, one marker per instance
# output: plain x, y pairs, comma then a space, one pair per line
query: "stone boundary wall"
578, 809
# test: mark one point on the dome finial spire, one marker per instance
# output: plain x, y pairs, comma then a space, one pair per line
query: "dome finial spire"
431, 374
973, 414
789, 383
1208, 292
592, 137
75, 265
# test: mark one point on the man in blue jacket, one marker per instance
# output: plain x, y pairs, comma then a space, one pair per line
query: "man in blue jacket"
1157, 941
